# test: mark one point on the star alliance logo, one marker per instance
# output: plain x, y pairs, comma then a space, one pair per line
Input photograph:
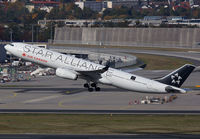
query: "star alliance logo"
176, 79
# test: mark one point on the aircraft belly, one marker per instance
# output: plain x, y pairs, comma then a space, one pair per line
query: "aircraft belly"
136, 85
104, 81
128, 84
156, 87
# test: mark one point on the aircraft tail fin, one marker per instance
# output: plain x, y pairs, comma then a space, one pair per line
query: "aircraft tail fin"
177, 77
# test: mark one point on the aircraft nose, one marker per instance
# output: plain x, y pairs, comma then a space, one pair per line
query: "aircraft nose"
6, 47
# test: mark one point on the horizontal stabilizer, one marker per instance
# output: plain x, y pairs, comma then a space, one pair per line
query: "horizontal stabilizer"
129, 70
170, 89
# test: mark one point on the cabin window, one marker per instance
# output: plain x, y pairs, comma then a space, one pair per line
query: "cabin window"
133, 77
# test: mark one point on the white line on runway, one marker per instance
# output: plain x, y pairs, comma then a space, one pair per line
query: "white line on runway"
41, 99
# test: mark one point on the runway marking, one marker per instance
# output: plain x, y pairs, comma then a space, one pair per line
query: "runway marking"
41, 99
60, 103
67, 92
126, 107
13, 95
73, 92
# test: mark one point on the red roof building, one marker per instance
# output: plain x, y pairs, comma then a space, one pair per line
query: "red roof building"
185, 5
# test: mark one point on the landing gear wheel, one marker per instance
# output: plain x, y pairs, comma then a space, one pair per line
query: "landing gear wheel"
94, 85
97, 89
90, 89
86, 85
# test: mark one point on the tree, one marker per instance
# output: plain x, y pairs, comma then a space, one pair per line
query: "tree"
89, 14
164, 11
16, 12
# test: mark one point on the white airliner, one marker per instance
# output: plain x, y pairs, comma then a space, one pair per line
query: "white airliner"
70, 67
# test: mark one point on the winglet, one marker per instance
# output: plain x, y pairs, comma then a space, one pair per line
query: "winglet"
170, 89
143, 66
105, 68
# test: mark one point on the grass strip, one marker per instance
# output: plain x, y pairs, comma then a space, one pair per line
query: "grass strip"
156, 62
99, 124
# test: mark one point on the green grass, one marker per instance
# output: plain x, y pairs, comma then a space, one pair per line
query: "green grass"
155, 62
99, 124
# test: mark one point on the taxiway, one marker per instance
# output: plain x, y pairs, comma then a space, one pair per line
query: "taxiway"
54, 93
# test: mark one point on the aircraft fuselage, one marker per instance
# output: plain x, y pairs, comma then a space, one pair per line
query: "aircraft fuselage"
112, 76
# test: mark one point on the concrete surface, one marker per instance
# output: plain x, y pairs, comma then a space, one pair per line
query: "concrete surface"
52, 92
148, 37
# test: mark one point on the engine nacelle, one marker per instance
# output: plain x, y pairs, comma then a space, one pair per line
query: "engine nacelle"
65, 73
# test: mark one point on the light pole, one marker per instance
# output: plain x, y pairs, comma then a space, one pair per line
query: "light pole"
51, 37
32, 33
11, 32
37, 30
99, 55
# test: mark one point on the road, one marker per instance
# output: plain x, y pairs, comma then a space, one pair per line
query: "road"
154, 112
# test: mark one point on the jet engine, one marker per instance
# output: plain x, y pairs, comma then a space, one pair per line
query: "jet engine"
65, 73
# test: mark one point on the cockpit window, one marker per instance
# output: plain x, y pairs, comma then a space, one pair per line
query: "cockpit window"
11, 44
133, 77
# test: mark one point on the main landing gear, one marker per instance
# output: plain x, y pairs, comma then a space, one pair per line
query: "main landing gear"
92, 86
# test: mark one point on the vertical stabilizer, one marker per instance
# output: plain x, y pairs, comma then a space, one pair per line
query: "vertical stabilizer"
177, 77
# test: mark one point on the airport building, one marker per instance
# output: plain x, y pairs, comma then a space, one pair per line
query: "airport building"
100, 6
94, 5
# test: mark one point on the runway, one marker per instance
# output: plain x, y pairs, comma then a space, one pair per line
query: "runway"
51, 94
144, 112
54, 93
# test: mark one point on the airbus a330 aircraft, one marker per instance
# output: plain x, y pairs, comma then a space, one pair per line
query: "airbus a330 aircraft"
73, 68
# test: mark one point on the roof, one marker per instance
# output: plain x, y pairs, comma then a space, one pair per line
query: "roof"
45, 2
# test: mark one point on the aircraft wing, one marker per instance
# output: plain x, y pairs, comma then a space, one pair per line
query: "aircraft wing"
94, 74
129, 70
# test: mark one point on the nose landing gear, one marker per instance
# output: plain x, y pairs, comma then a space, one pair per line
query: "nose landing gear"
91, 86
